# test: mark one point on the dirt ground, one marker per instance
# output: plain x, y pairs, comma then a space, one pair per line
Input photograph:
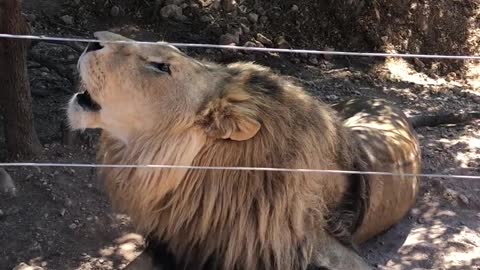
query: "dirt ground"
60, 218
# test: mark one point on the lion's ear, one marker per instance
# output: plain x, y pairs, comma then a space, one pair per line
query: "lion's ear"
229, 119
245, 129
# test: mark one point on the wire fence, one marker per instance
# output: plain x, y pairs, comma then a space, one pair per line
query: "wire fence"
271, 169
245, 48
233, 47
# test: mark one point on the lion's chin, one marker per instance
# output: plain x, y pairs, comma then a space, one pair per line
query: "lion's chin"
83, 112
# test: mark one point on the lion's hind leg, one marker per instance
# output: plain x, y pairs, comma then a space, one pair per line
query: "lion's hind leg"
333, 255
155, 257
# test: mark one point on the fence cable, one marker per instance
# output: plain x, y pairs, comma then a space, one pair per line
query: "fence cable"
246, 48
271, 169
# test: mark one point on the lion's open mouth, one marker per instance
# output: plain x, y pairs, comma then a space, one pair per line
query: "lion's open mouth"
87, 103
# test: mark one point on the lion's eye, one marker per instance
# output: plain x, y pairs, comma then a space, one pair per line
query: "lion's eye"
162, 67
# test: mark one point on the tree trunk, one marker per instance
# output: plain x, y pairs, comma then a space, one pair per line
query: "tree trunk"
15, 97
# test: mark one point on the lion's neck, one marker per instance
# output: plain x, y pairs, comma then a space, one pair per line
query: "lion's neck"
159, 149
192, 210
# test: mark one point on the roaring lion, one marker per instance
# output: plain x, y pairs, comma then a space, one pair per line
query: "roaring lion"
156, 105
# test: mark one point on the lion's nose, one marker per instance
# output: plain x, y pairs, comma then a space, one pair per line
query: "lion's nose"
93, 46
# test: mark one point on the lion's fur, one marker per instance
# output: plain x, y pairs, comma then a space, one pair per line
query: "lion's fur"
262, 214
389, 144
243, 115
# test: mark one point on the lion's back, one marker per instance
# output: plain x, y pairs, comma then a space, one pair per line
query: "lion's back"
389, 144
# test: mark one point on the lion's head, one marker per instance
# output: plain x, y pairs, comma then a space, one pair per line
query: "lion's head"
155, 105
133, 89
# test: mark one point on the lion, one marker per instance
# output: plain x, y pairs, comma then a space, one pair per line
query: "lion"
156, 105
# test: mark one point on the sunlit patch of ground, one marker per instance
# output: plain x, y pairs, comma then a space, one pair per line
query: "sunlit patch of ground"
123, 250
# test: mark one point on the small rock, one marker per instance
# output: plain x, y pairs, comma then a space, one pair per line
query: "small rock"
419, 63
476, 99
452, 76
173, 2
62, 212
35, 246
294, 8
259, 44
304, 55
229, 5
215, 29
464, 199
282, 43
313, 60
228, 39
181, 18
67, 19
6, 184
263, 19
450, 194
250, 44
24, 266
206, 18
73, 226
30, 17
261, 11
171, 11
68, 202
253, 17
205, 3
264, 40
245, 29
328, 57
296, 60
243, 20
236, 31
115, 11
242, 9
332, 97
195, 6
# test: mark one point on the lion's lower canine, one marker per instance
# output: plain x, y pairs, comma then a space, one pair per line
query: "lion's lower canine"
156, 105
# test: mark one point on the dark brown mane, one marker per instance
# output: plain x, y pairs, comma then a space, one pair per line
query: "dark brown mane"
250, 208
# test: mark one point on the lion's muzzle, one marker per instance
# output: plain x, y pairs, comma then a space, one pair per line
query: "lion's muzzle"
93, 46
85, 101
83, 112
